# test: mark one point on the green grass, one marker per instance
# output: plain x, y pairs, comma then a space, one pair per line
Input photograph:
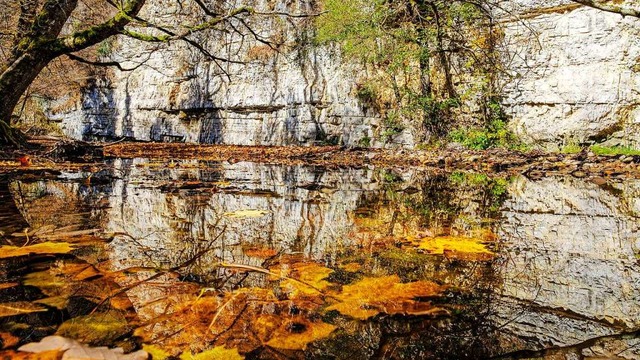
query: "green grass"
614, 150
571, 149
495, 135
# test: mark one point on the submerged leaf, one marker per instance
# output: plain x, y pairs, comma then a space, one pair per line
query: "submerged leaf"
75, 350
248, 213
287, 337
455, 244
217, 353
42, 248
19, 308
8, 340
371, 296
156, 352
99, 328
303, 278
19, 355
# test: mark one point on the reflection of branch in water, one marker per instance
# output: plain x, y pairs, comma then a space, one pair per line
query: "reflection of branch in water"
265, 271
185, 264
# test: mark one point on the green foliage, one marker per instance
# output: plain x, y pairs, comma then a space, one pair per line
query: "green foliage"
570, 148
494, 135
614, 150
365, 141
392, 125
105, 48
402, 44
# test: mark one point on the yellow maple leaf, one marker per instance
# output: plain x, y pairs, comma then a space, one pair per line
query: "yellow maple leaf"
42, 248
371, 296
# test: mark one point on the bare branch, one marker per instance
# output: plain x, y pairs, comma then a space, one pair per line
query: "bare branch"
104, 63
609, 7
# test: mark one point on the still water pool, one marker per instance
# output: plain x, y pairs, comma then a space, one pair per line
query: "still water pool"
219, 260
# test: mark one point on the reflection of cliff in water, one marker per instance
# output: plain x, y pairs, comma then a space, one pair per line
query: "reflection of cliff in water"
301, 210
571, 263
568, 259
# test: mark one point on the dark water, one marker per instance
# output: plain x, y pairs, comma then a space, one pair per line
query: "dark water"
303, 262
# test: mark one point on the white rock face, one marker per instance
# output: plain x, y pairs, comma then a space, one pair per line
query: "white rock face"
573, 73
298, 94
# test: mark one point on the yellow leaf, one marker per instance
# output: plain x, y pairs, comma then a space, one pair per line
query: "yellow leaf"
293, 334
249, 213
303, 278
351, 267
42, 248
19, 308
58, 302
442, 244
156, 352
371, 296
217, 353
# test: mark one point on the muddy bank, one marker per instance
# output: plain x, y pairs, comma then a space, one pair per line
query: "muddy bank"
535, 164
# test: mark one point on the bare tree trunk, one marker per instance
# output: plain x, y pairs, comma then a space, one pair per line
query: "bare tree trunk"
14, 82
38, 42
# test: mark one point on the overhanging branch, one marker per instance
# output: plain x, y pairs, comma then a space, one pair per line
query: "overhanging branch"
609, 7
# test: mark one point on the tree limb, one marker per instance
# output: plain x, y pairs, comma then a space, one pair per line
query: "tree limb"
624, 11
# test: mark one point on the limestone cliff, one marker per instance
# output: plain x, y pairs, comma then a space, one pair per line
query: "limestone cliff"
570, 76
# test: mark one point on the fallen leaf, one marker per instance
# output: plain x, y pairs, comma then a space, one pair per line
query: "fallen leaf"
351, 267
95, 328
297, 333
42, 248
249, 213
303, 278
217, 353
7, 285
19, 308
371, 296
155, 352
58, 302
19, 355
456, 244
8, 340
73, 350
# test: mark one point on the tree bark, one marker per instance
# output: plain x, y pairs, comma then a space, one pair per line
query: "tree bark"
38, 44
611, 7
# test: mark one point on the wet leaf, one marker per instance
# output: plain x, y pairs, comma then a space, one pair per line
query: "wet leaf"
303, 278
72, 349
7, 285
99, 328
42, 248
8, 340
260, 252
217, 353
456, 244
249, 213
294, 334
351, 267
19, 308
47, 281
58, 302
371, 296
19, 355
156, 352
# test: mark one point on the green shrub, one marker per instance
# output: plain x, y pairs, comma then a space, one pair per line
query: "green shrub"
494, 135
614, 150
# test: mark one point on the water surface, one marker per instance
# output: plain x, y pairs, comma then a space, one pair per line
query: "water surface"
306, 262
